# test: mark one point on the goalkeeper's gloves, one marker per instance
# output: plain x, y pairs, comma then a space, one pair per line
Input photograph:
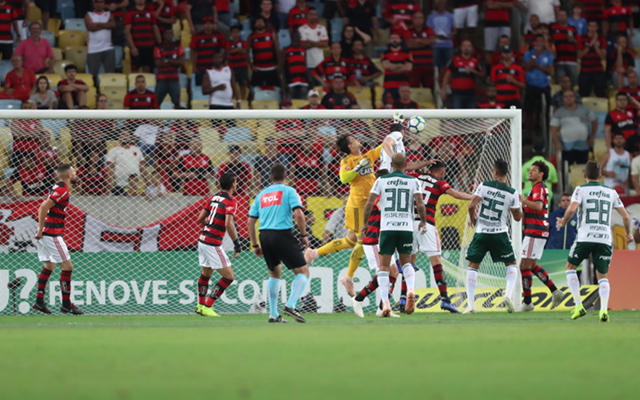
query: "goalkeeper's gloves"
237, 248
397, 117
363, 164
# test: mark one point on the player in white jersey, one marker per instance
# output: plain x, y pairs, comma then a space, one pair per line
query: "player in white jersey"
394, 144
496, 200
398, 193
593, 202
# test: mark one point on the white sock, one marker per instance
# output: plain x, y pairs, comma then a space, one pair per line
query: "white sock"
409, 276
604, 289
383, 285
574, 286
472, 282
512, 277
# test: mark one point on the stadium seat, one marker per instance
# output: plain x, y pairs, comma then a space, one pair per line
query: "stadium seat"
246, 24
244, 34
601, 116
113, 81
284, 38
10, 104
150, 78
427, 105
612, 103
554, 89
92, 98
54, 26
599, 148
361, 93
365, 104
237, 135
266, 105
34, 13
576, 172
167, 105
58, 66
196, 93
266, 95
5, 68
199, 104
595, 103
244, 105
115, 105
53, 79
71, 38
57, 53
116, 94
77, 54
67, 12
185, 39
86, 78
75, 24
422, 95
50, 37
297, 103
320, 90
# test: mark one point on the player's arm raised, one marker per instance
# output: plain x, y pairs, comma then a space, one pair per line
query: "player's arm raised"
422, 211
388, 145
368, 207
42, 215
475, 200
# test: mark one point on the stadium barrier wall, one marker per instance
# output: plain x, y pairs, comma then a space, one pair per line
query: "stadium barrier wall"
623, 276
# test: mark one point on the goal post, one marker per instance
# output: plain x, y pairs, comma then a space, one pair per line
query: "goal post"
133, 234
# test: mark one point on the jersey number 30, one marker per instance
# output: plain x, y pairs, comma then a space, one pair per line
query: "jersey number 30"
399, 199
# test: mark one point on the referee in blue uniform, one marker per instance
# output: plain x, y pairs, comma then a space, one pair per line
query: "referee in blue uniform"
275, 207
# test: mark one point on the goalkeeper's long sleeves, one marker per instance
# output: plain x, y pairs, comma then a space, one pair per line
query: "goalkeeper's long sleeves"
347, 176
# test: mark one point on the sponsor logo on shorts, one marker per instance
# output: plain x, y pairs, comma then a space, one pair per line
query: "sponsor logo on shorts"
507, 255
606, 258
407, 245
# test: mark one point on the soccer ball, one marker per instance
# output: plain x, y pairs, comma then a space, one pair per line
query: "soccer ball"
416, 124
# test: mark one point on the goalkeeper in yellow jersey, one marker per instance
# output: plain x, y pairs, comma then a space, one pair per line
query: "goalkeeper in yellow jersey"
356, 169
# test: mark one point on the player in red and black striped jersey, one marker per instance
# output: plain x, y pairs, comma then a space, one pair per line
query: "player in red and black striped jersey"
140, 98
509, 79
295, 62
618, 13
297, 16
331, 66
8, 21
593, 10
398, 14
142, 33
51, 247
565, 37
432, 186
203, 45
420, 39
169, 59
489, 100
165, 13
592, 50
397, 63
363, 70
266, 55
536, 233
462, 70
620, 120
217, 218
237, 50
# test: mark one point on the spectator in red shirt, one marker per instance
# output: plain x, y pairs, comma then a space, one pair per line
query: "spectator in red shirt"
19, 82
297, 16
593, 10
165, 13
592, 49
497, 22
314, 101
404, 100
338, 98
141, 30
307, 169
195, 169
266, 55
198, 10
237, 52
92, 176
331, 66
397, 64
26, 136
295, 68
223, 11
620, 14
73, 92
489, 99
387, 104
620, 62
8, 21
31, 175
398, 14
509, 79
497, 56
420, 40
565, 38
240, 169
169, 60
272, 22
36, 52
361, 68
140, 98
203, 45
462, 71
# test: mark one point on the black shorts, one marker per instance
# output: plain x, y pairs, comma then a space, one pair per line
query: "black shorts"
45, 5
265, 78
144, 59
241, 75
281, 247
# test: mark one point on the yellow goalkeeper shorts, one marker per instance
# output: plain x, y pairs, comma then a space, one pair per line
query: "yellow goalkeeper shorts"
353, 217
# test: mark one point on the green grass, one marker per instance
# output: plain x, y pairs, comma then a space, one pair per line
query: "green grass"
435, 356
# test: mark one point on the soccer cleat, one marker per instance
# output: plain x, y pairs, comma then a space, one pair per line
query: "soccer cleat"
309, 256
386, 309
604, 316
199, 309
447, 306
42, 307
399, 306
508, 303
277, 320
469, 311
526, 307
578, 312
357, 307
73, 310
557, 297
295, 313
347, 282
410, 307
208, 312
391, 314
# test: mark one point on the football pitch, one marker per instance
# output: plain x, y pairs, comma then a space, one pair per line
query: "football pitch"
337, 356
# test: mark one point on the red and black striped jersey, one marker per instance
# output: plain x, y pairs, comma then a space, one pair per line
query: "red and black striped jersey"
463, 82
205, 45
431, 188
628, 60
499, 16
566, 50
329, 68
619, 14
141, 101
218, 207
202, 167
33, 181
338, 101
632, 92
239, 169
296, 65
7, 16
237, 62
116, 14
172, 52
393, 80
297, 17
54, 222
364, 65
591, 62
18, 8
496, 57
593, 10
307, 169
402, 10
622, 122
168, 11
536, 223
423, 56
142, 22
401, 105
372, 236
93, 184
507, 91
486, 103
264, 50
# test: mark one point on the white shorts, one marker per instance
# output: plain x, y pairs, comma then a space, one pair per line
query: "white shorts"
373, 258
212, 257
492, 34
468, 14
52, 249
532, 248
429, 242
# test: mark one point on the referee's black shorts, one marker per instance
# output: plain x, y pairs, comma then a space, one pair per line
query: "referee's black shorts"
281, 247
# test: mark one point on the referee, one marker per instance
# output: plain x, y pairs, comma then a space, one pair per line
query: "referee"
274, 207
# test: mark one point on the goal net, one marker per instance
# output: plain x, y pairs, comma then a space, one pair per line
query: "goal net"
132, 228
